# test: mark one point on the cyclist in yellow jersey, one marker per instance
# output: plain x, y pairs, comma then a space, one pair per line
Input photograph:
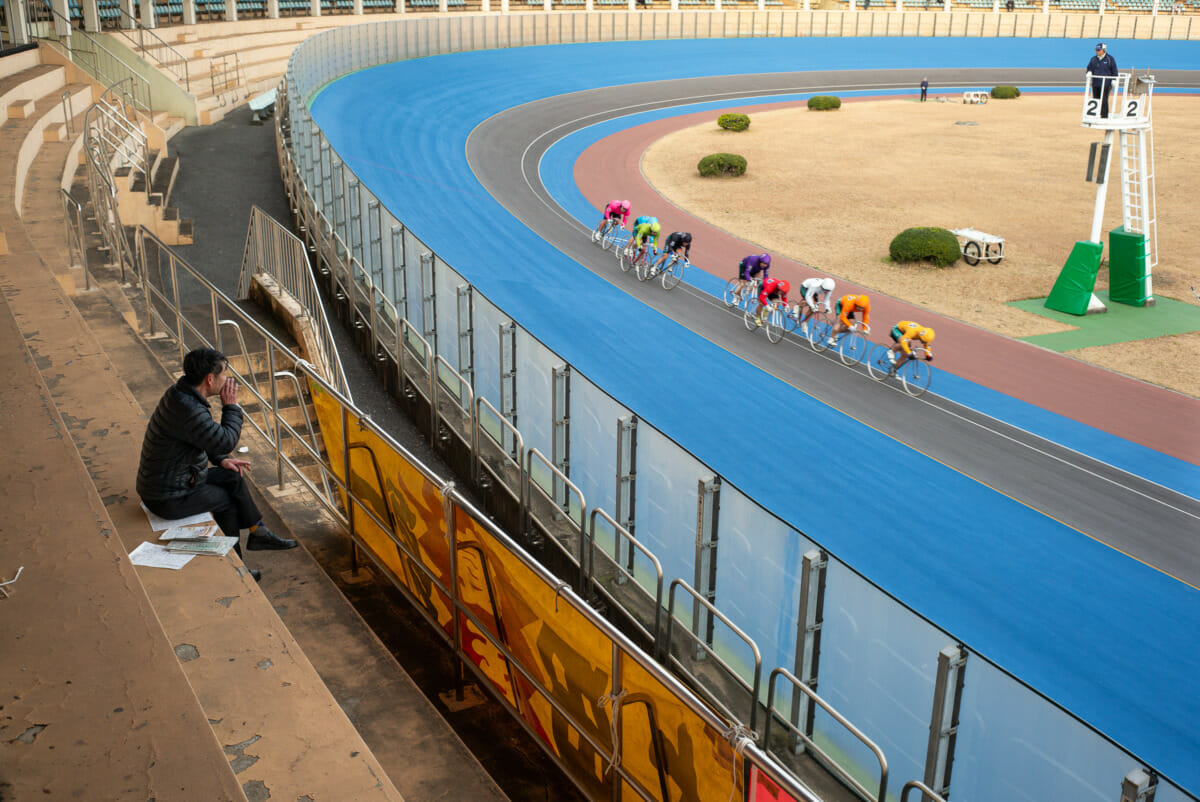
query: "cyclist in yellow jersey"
903, 334
645, 236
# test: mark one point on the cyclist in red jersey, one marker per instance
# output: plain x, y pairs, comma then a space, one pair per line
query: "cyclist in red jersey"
773, 289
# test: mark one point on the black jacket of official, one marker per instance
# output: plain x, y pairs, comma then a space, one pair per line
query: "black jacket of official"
181, 440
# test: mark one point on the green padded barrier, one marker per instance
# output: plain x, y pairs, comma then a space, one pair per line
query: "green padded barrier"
1072, 292
1127, 267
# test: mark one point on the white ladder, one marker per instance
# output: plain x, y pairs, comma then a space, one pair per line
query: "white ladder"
1137, 187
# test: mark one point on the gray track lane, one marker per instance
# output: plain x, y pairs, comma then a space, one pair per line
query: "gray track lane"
1147, 521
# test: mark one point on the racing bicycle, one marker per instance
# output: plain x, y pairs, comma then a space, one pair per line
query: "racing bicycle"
749, 291
672, 270
610, 235
851, 346
914, 374
819, 325
778, 320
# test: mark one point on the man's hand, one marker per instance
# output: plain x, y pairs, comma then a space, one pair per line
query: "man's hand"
235, 465
229, 391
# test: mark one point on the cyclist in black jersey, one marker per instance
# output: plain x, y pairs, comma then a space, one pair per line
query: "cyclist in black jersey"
678, 243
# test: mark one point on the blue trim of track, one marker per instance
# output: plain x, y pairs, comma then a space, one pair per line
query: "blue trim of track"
1107, 638
557, 173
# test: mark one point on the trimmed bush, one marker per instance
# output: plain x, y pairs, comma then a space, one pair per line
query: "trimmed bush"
925, 244
1005, 92
734, 122
722, 164
824, 103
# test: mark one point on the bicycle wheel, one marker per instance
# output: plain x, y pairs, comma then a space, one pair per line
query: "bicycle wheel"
748, 318
915, 376
820, 330
609, 239
731, 297
878, 364
993, 253
778, 323
852, 348
597, 234
642, 268
672, 272
625, 258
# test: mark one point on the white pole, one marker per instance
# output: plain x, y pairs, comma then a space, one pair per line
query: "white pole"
1102, 188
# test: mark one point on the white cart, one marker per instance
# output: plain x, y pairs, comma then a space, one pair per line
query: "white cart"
976, 96
977, 245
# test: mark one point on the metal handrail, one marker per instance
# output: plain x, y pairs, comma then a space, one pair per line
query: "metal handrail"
527, 485
283, 257
845, 722
104, 205
76, 247
666, 647
253, 375
519, 442
923, 788
308, 425
621, 532
68, 107
160, 44
96, 70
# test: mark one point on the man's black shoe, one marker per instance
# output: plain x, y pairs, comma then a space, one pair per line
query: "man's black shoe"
256, 574
263, 539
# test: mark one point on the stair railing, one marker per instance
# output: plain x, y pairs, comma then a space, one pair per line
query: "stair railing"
150, 45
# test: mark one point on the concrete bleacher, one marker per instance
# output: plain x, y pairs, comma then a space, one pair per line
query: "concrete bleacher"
153, 683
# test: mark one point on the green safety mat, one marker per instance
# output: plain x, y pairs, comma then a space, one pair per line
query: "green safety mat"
1120, 324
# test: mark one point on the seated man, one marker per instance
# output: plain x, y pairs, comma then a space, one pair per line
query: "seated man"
903, 333
813, 290
847, 307
678, 243
614, 210
174, 480
749, 269
773, 290
645, 236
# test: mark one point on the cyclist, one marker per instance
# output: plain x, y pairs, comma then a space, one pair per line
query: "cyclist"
614, 209
748, 269
645, 236
813, 290
773, 289
678, 243
904, 333
847, 307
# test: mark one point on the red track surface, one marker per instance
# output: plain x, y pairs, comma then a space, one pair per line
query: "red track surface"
1160, 419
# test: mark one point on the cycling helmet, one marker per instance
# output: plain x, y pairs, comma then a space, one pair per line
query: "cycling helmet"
685, 236
764, 259
827, 284
655, 227
624, 206
863, 302
926, 335
785, 287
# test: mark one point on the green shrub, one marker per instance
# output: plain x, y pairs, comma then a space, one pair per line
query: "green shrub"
1005, 92
925, 244
734, 122
824, 103
722, 164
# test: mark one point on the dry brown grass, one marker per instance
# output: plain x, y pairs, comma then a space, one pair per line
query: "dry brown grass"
831, 189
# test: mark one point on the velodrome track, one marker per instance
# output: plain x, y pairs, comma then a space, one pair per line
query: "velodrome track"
1106, 637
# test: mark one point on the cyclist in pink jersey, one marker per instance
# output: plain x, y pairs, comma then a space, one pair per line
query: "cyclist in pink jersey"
615, 209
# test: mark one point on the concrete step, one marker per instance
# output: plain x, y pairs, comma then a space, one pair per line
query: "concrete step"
23, 86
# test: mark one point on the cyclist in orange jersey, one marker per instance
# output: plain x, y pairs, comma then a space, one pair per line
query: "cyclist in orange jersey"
848, 306
904, 333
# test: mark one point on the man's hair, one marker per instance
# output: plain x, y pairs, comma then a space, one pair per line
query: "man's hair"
202, 362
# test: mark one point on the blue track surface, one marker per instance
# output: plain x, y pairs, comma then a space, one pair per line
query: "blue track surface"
1106, 637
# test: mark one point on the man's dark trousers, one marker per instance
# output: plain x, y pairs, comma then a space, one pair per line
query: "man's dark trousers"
224, 493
